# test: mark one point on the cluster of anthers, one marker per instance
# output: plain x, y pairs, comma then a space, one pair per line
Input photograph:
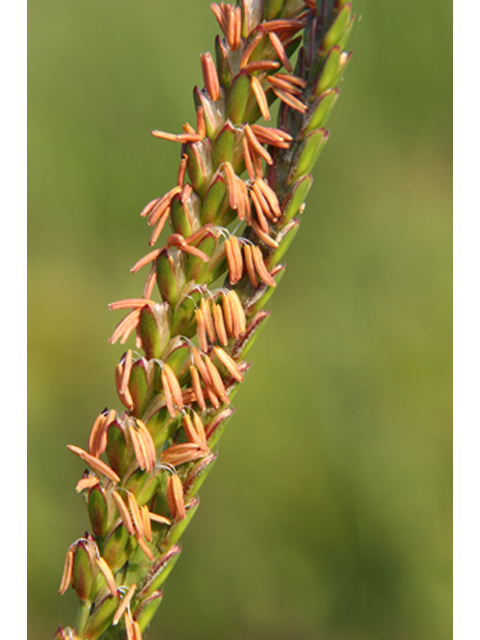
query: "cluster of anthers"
224, 226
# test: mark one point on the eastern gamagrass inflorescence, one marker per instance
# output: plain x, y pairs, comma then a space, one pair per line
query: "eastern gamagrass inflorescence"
233, 213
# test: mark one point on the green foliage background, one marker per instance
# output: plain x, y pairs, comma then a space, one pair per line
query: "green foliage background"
328, 514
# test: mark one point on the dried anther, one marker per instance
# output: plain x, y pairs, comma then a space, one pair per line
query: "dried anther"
147, 527
264, 237
124, 513
272, 136
177, 240
143, 445
208, 320
261, 65
124, 604
125, 396
234, 259
97, 441
249, 265
250, 48
67, 571
216, 381
281, 53
255, 146
86, 483
197, 388
172, 390
194, 430
219, 324
181, 137
260, 267
136, 517
108, 575
234, 314
229, 363
285, 85
282, 24
130, 303
260, 97
230, 21
210, 76
150, 257
181, 453
155, 517
291, 100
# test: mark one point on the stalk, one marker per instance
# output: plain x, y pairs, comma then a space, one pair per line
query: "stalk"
235, 209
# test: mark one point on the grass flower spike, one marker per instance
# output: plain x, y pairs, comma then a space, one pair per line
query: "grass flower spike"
234, 211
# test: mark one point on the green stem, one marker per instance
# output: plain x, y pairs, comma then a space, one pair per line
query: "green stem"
82, 618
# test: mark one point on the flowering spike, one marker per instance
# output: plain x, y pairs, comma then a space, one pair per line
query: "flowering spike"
233, 211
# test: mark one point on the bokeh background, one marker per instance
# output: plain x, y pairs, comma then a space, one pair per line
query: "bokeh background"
328, 513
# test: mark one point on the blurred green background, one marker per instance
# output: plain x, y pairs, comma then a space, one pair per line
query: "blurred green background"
328, 513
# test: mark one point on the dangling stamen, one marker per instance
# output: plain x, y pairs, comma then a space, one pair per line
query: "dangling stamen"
231, 176
175, 499
264, 237
280, 83
262, 221
207, 316
229, 363
201, 127
107, 574
173, 137
260, 96
261, 65
150, 283
197, 388
290, 100
252, 276
248, 159
280, 51
256, 146
217, 382
219, 324
221, 16
201, 332
95, 463
260, 267
250, 48
124, 604
124, 513
181, 169
67, 572
210, 76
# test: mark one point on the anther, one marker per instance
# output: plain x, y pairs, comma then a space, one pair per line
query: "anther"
124, 603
